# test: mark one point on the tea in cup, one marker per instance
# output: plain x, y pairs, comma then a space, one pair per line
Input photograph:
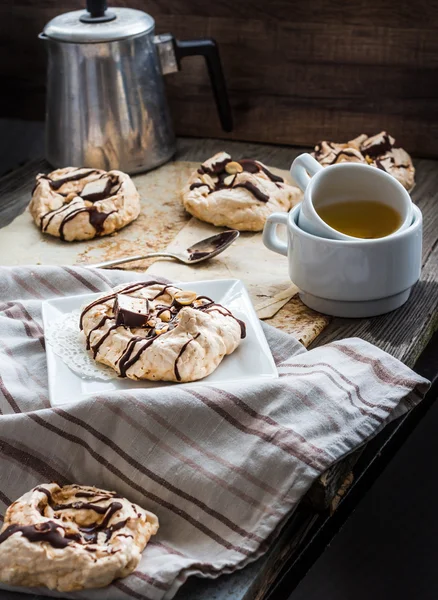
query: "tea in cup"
350, 201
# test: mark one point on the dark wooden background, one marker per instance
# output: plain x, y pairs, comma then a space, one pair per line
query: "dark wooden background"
298, 70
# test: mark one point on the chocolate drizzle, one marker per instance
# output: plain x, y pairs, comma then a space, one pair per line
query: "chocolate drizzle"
252, 166
91, 533
249, 166
214, 306
48, 531
162, 292
338, 154
95, 348
380, 165
103, 320
197, 184
247, 185
96, 218
181, 352
215, 169
101, 510
126, 361
55, 184
53, 214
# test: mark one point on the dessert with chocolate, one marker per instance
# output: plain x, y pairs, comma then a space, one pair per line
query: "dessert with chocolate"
378, 151
159, 332
239, 194
72, 538
80, 204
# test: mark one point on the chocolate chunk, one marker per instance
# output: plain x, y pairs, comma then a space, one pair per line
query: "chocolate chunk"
215, 168
131, 311
378, 145
99, 189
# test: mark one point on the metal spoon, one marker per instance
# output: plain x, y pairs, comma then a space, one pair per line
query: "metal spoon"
203, 250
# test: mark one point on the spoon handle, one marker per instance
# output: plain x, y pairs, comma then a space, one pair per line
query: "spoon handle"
127, 259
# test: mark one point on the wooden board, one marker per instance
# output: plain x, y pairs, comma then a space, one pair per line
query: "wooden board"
161, 219
296, 72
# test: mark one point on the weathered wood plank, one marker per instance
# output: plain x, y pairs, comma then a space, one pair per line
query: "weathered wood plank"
296, 73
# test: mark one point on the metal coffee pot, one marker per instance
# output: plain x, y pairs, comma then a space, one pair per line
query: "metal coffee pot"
106, 104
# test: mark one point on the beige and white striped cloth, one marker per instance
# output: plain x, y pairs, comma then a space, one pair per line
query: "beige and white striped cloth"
221, 467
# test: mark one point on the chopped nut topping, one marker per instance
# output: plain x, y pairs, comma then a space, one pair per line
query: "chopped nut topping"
205, 178
185, 297
233, 167
161, 328
165, 316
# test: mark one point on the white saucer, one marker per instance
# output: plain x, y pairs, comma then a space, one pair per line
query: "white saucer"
251, 360
355, 310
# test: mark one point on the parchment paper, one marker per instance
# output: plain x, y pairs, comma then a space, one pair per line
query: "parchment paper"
163, 223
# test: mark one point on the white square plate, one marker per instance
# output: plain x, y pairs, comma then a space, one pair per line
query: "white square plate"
251, 360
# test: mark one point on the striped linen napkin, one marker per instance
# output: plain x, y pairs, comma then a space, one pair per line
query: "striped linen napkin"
221, 467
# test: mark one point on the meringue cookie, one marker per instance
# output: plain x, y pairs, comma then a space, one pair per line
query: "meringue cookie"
378, 151
80, 204
175, 335
237, 194
72, 538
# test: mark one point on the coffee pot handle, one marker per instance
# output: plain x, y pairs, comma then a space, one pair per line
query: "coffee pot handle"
172, 51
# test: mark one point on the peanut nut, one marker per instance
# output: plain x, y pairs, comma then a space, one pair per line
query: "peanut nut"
205, 178
165, 316
185, 297
161, 328
229, 180
233, 167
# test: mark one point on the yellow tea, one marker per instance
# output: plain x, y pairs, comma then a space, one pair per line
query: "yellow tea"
361, 218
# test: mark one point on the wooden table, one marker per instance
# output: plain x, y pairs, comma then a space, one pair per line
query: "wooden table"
408, 334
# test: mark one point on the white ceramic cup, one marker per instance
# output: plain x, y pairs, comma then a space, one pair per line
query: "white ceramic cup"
345, 182
349, 278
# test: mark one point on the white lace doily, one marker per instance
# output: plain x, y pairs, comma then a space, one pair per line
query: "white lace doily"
68, 342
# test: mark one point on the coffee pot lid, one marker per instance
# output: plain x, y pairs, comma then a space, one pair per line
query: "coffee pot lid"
97, 24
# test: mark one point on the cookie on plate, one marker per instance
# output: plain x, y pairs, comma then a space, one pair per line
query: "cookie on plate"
237, 194
72, 538
378, 151
81, 204
159, 332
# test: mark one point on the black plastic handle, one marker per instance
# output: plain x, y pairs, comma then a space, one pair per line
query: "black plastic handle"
210, 51
97, 12
96, 8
